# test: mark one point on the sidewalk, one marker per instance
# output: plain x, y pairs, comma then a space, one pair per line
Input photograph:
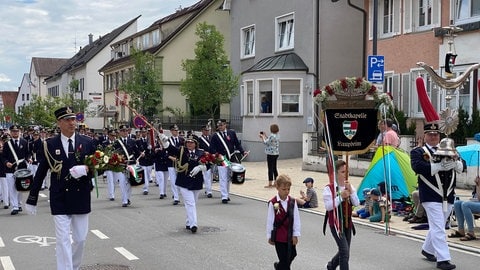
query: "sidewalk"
256, 179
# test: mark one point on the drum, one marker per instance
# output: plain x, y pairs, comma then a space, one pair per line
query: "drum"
238, 173
23, 179
136, 175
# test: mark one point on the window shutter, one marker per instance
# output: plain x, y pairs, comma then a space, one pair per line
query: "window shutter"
396, 93
436, 13
408, 16
396, 18
370, 20
405, 94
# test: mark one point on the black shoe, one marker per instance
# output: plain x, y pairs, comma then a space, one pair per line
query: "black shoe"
275, 265
14, 212
112, 199
175, 202
20, 209
129, 202
145, 192
445, 265
416, 219
224, 201
162, 196
125, 205
228, 199
5, 207
187, 227
209, 195
430, 257
193, 229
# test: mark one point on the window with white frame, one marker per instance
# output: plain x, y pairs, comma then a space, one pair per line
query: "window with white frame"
432, 92
248, 41
388, 21
421, 15
467, 11
265, 90
461, 98
249, 92
392, 86
146, 41
290, 95
285, 32
156, 37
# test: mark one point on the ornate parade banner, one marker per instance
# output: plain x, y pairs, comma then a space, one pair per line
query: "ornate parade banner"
352, 130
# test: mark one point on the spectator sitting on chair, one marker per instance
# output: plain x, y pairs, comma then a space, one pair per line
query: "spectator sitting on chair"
420, 215
464, 211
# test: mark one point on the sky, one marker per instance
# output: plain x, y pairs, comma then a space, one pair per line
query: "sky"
58, 28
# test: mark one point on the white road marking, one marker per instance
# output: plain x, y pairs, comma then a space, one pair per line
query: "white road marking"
42, 195
2, 244
7, 263
99, 234
126, 253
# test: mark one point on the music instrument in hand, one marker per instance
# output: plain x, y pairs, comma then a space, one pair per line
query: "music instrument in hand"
23, 179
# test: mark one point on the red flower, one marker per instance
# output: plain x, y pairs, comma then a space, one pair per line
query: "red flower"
344, 84
358, 82
329, 90
317, 92
372, 90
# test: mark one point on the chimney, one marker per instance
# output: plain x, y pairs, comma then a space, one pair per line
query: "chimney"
90, 39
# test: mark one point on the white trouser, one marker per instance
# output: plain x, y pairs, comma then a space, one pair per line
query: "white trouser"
69, 253
224, 179
147, 173
44, 183
161, 177
190, 198
207, 179
436, 240
4, 185
110, 184
124, 184
172, 175
15, 196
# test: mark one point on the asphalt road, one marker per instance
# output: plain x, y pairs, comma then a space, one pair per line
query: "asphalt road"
151, 235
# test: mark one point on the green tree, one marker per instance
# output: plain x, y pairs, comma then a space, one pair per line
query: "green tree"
40, 111
143, 84
461, 133
209, 78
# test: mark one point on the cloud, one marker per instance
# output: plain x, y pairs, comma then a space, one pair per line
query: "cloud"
52, 28
4, 78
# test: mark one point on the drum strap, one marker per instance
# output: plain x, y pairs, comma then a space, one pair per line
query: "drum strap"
124, 149
224, 145
13, 151
178, 164
56, 167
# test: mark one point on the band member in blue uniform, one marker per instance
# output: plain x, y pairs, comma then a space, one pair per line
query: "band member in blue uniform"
16, 155
204, 144
161, 163
110, 140
225, 142
177, 141
189, 176
70, 188
146, 157
128, 148
436, 185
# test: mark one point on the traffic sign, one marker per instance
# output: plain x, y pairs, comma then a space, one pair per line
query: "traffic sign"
376, 68
80, 117
139, 121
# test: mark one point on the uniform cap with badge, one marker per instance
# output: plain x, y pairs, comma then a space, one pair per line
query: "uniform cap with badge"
65, 113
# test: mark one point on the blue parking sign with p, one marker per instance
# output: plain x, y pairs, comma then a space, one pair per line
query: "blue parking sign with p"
376, 68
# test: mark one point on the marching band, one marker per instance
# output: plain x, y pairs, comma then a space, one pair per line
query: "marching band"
145, 153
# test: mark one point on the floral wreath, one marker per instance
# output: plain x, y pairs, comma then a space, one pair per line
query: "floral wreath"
354, 87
